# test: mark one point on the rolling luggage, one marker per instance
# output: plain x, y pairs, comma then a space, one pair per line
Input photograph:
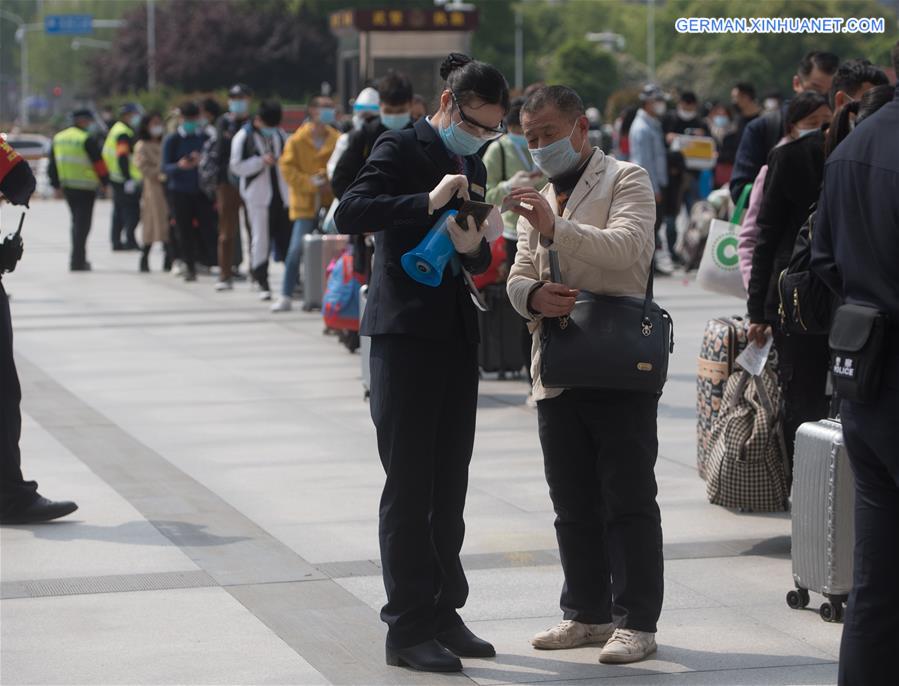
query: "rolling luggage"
500, 349
318, 252
723, 341
364, 347
823, 518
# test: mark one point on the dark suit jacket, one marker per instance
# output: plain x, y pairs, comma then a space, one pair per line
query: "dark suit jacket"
390, 198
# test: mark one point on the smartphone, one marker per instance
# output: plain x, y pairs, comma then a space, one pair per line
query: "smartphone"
472, 208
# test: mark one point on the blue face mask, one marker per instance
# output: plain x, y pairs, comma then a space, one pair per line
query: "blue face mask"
800, 132
558, 157
459, 141
395, 121
720, 120
269, 131
238, 106
190, 127
326, 115
518, 139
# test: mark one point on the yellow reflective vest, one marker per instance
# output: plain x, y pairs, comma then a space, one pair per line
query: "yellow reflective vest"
73, 165
112, 159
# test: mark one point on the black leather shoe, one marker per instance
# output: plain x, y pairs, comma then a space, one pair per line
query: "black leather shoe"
429, 656
41, 510
462, 642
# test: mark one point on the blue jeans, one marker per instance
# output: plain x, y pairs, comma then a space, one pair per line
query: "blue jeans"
295, 255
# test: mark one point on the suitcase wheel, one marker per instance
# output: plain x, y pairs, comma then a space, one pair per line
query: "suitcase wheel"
798, 598
831, 612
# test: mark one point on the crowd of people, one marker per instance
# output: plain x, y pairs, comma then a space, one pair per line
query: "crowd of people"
575, 220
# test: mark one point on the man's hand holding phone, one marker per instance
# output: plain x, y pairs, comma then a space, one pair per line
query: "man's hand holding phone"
530, 204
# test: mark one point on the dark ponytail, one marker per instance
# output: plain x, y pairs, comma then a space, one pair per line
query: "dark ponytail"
469, 79
840, 126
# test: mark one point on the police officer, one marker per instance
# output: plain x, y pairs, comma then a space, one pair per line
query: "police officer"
855, 249
77, 169
424, 370
125, 176
20, 503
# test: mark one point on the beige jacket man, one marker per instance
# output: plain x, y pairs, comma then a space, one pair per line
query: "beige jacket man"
604, 239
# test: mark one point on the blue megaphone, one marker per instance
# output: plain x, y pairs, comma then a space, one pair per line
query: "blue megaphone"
427, 261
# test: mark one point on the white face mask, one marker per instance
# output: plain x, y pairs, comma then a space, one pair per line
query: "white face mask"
800, 132
659, 108
685, 115
157, 130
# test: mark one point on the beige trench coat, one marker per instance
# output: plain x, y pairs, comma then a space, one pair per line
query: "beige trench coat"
154, 210
604, 238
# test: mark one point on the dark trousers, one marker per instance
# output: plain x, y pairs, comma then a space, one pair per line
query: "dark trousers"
599, 453
15, 492
802, 364
194, 215
229, 202
871, 626
81, 205
125, 216
423, 403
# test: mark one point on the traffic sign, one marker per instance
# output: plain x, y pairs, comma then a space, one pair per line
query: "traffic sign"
68, 24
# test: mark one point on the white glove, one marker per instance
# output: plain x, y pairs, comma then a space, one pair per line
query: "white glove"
449, 187
465, 242
130, 186
520, 179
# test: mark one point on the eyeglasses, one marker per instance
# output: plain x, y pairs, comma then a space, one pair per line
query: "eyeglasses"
488, 133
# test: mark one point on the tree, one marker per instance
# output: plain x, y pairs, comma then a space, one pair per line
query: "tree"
210, 45
590, 70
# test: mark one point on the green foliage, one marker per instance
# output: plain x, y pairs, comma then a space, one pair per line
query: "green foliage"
588, 69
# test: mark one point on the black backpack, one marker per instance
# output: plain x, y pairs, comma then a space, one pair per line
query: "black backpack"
210, 167
806, 303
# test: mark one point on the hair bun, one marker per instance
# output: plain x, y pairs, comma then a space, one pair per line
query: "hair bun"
453, 61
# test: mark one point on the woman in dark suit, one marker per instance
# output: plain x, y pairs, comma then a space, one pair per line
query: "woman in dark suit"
424, 369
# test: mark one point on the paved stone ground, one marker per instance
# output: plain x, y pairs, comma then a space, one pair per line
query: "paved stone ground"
225, 467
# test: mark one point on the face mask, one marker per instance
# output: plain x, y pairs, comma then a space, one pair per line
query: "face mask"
770, 104
269, 131
800, 132
460, 141
190, 127
720, 120
685, 115
238, 106
395, 121
93, 128
202, 122
659, 108
135, 121
558, 157
326, 115
518, 139
157, 130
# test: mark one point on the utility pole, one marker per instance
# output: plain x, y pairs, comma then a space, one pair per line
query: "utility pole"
651, 39
519, 50
151, 44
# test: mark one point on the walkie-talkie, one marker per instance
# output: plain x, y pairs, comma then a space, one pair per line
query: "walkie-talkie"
11, 249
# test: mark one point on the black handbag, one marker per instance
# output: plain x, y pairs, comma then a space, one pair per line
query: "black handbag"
857, 351
607, 341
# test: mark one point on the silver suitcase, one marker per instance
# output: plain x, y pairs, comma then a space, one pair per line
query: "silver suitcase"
318, 251
364, 346
823, 518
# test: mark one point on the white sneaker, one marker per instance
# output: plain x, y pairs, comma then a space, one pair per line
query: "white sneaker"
265, 295
178, 268
570, 634
662, 263
282, 304
628, 645
224, 286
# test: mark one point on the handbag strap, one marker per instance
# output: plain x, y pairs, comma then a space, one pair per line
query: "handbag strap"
555, 275
737, 217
